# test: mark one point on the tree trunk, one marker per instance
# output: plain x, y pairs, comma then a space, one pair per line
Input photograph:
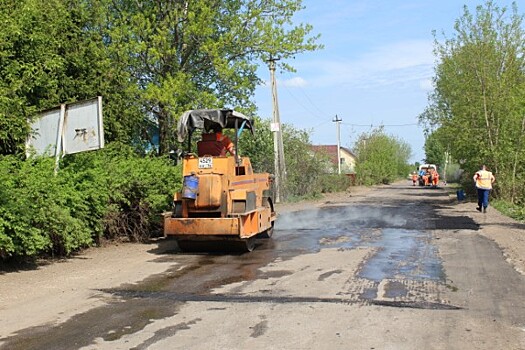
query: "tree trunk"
516, 160
164, 130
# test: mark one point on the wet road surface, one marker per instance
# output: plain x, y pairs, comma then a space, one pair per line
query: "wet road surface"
400, 266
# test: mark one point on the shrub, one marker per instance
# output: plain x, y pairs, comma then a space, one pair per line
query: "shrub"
334, 183
127, 193
37, 211
111, 193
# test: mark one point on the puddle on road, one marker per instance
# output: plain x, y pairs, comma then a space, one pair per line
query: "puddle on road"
137, 305
400, 252
403, 254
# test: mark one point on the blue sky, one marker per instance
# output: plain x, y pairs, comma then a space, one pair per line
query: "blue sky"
376, 68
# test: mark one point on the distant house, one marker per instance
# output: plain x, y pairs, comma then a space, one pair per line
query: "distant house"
347, 160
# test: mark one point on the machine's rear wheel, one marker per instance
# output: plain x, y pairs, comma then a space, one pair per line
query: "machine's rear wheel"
266, 234
249, 244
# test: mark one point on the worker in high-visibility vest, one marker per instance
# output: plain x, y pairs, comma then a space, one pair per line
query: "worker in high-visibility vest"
426, 178
227, 144
435, 178
484, 180
414, 178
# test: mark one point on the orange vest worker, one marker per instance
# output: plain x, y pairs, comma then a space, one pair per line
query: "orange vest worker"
226, 142
435, 178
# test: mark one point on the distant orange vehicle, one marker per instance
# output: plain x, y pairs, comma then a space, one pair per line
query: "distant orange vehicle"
222, 202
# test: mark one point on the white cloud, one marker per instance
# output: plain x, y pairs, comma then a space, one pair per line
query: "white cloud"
293, 82
426, 85
396, 63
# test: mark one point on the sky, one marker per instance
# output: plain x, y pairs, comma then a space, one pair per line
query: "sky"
376, 68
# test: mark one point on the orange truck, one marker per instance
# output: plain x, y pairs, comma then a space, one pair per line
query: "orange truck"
223, 203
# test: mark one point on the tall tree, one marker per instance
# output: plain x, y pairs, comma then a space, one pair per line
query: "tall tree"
200, 53
479, 97
435, 149
149, 59
30, 65
53, 52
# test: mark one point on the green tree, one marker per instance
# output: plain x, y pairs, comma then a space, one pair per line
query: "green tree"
381, 158
435, 149
53, 52
259, 147
201, 54
478, 103
306, 170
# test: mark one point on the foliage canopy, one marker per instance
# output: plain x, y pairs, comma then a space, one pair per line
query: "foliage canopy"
478, 105
381, 158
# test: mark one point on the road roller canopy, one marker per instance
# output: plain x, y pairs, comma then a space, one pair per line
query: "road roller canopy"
212, 119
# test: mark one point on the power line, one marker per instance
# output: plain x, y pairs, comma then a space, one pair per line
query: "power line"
307, 97
318, 125
379, 125
309, 110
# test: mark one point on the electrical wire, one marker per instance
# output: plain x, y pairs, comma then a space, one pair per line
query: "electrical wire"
309, 110
379, 125
306, 95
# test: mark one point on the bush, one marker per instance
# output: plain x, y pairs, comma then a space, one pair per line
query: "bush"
112, 193
37, 211
127, 193
382, 158
306, 170
334, 183
515, 211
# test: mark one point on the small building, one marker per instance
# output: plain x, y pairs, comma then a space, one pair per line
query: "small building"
347, 160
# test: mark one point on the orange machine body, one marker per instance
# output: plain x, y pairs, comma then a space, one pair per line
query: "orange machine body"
227, 200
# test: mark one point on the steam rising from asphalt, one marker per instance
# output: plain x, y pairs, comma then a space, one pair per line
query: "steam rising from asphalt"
331, 217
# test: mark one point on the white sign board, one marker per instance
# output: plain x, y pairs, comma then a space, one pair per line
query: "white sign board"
83, 127
43, 138
72, 128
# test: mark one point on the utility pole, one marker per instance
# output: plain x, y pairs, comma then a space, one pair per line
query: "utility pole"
338, 121
278, 148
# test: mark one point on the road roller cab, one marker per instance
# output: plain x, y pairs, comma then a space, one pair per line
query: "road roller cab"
223, 203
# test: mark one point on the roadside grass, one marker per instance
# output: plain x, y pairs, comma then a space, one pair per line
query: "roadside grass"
514, 211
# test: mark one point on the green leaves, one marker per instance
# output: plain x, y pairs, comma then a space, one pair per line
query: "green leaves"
478, 102
202, 54
111, 193
307, 171
381, 158
150, 60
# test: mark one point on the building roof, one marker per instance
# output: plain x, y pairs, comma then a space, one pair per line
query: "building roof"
331, 151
